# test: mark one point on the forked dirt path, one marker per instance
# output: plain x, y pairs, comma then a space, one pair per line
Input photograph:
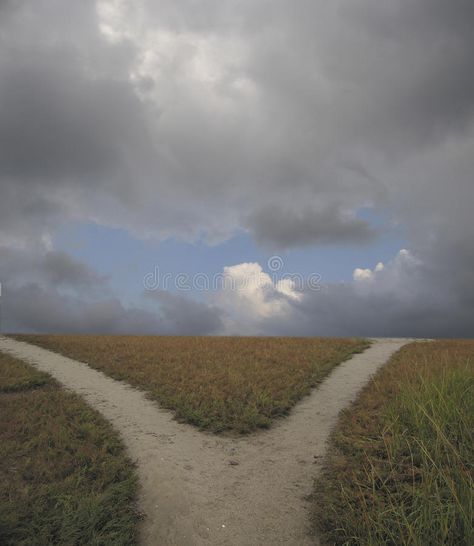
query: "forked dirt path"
201, 489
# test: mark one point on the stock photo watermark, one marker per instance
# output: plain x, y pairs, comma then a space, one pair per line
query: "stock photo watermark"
230, 279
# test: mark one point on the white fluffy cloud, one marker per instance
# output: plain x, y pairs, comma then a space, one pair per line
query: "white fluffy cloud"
396, 277
249, 294
391, 299
366, 274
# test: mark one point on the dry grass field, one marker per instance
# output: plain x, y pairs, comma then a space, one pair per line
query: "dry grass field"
401, 463
64, 478
219, 384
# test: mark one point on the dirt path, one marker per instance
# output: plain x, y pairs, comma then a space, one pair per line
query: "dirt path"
192, 490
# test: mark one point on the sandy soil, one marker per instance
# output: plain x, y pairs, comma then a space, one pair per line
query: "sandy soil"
201, 489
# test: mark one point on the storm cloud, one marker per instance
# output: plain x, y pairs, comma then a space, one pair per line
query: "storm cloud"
52, 292
286, 229
200, 121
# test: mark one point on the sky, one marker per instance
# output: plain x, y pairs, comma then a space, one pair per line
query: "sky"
237, 167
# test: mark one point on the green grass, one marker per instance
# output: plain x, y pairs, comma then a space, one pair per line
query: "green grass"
219, 384
401, 464
64, 477
17, 376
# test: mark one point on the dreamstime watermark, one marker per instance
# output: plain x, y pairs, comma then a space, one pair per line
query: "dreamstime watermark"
230, 279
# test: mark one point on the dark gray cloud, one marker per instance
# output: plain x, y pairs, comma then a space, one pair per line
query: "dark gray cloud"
56, 123
33, 308
53, 292
62, 270
341, 311
70, 119
183, 315
52, 268
179, 119
286, 229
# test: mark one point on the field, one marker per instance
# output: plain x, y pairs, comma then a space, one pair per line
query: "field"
401, 463
219, 384
64, 478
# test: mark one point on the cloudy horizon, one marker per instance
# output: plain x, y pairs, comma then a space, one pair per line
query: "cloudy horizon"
217, 138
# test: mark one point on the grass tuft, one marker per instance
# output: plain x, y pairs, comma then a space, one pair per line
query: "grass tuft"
401, 464
17, 376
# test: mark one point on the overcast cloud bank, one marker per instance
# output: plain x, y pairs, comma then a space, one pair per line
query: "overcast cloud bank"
285, 120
